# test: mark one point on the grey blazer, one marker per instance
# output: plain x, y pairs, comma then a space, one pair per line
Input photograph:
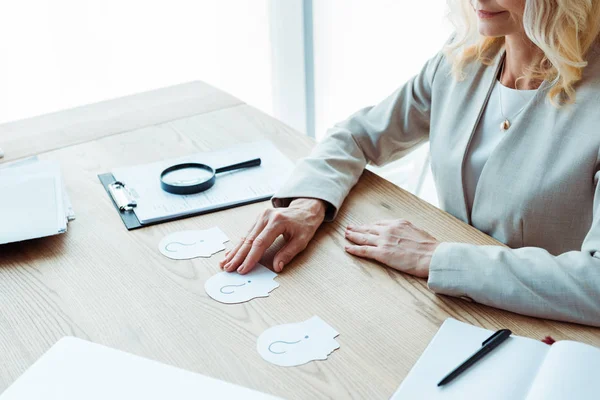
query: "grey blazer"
538, 192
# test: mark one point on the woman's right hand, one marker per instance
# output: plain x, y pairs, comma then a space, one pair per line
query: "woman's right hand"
297, 223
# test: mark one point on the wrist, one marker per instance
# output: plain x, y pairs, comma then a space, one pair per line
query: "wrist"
429, 257
315, 206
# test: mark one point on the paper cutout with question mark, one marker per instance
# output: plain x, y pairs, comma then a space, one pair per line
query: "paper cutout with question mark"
231, 287
290, 345
186, 245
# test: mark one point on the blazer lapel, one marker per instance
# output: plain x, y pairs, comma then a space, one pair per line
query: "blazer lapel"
478, 101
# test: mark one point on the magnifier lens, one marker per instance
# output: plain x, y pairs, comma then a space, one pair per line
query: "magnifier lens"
187, 176
190, 178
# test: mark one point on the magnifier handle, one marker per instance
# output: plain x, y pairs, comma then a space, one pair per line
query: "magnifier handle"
246, 164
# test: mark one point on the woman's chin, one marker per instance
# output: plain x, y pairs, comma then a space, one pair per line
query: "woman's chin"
491, 32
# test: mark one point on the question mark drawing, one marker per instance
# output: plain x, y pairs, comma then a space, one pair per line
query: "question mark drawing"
293, 344
233, 288
287, 343
187, 245
233, 291
181, 244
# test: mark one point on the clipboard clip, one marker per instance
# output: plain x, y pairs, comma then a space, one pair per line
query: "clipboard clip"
121, 196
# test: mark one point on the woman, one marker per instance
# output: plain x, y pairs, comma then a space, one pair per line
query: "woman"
511, 109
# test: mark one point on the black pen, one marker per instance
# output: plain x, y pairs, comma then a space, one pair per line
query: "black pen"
486, 347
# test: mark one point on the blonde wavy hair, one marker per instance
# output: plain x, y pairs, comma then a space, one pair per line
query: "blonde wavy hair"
563, 29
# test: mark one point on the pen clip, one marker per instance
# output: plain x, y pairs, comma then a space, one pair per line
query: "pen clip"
496, 334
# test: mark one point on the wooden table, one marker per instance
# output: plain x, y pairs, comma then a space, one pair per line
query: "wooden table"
105, 284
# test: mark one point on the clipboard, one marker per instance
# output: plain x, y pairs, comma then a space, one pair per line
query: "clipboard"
140, 200
125, 203
122, 200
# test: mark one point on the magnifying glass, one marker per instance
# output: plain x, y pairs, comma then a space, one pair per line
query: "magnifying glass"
190, 178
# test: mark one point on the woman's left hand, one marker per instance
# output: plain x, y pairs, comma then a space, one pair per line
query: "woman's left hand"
396, 243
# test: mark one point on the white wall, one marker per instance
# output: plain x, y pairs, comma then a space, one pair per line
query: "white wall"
364, 50
57, 54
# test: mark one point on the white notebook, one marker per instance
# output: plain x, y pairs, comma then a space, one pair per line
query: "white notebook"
74, 369
237, 187
32, 165
520, 368
32, 201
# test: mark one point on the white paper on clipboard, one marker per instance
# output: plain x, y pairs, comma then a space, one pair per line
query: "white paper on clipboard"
231, 188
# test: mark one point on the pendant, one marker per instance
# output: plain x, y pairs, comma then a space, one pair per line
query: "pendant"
505, 125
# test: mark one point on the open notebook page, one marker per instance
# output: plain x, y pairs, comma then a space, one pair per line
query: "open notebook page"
505, 373
570, 371
154, 204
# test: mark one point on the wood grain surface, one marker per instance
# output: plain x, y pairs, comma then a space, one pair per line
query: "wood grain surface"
105, 284
79, 125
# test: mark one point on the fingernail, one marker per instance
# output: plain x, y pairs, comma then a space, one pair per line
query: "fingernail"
280, 266
240, 269
350, 227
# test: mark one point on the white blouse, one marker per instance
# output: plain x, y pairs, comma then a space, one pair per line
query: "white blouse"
489, 134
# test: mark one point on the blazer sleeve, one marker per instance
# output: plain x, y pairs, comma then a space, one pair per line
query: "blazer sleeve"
375, 135
527, 280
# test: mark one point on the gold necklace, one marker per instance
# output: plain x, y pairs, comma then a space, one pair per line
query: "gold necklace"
505, 125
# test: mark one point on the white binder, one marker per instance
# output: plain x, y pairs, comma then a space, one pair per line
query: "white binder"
33, 202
